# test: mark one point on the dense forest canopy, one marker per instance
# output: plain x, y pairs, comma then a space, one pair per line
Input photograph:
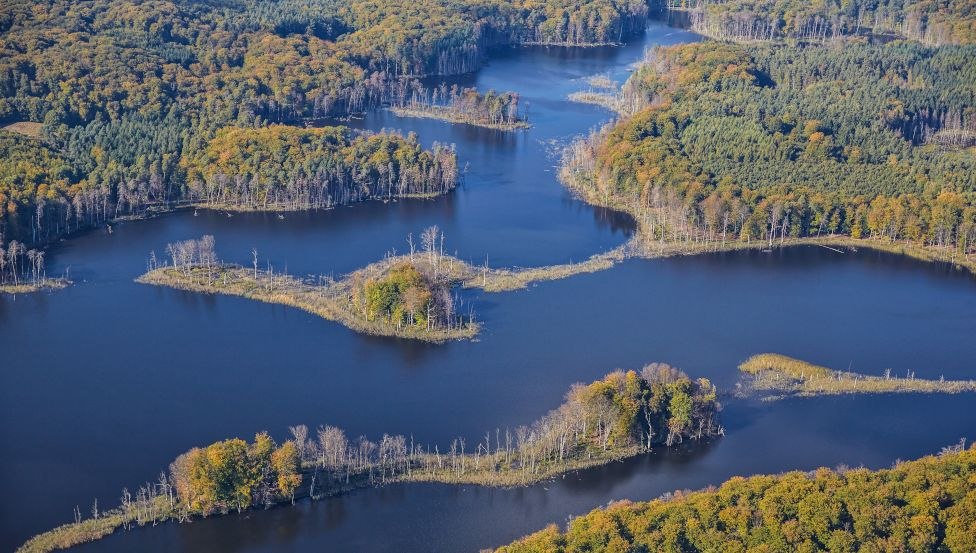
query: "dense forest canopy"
923, 505
930, 21
770, 140
124, 88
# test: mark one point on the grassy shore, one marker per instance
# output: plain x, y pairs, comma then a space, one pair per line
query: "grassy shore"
779, 375
39, 286
453, 116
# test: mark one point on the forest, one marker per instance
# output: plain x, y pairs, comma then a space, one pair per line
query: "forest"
770, 141
934, 22
281, 166
620, 415
124, 89
923, 505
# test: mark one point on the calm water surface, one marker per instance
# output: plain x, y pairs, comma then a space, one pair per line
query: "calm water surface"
105, 382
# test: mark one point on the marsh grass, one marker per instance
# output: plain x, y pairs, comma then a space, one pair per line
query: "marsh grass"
782, 376
31, 287
609, 100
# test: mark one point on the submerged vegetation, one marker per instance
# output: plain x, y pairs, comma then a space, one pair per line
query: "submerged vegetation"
764, 144
621, 415
780, 375
923, 505
463, 105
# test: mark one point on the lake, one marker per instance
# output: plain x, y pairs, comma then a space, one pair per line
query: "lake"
104, 383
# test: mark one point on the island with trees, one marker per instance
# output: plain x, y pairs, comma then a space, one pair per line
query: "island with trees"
621, 415
782, 376
923, 505
404, 296
491, 110
723, 146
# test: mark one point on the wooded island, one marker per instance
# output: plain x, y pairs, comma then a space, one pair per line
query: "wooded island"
622, 415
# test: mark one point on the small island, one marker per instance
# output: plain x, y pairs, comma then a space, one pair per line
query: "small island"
407, 298
782, 376
491, 110
621, 415
22, 270
600, 91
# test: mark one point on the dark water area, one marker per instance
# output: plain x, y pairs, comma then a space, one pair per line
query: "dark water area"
102, 384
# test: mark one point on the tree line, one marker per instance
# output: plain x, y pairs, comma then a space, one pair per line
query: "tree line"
622, 414
935, 22
768, 142
127, 91
280, 166
923, 505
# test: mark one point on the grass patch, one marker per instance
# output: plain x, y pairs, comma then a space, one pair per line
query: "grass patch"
26, 128
780, 376
31, 287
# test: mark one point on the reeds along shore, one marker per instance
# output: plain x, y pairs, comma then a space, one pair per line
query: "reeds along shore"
619, 416
780, 376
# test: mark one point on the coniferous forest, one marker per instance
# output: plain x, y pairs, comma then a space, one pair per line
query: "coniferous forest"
772, 141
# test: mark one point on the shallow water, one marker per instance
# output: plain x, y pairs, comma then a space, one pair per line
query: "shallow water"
105, 382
